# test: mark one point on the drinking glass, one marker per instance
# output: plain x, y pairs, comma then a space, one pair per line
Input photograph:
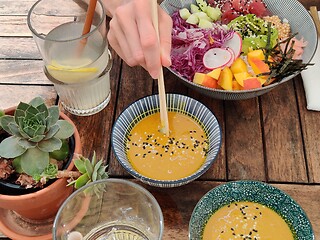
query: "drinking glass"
76, 59
109, 209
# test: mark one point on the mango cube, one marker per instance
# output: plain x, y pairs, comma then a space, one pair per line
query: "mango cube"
238, 66
239, 77
215, 73
225, 79
205, 80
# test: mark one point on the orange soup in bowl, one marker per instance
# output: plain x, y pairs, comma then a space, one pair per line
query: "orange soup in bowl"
246, 220
161, 157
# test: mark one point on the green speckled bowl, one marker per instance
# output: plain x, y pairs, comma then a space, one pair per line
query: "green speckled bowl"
252, 191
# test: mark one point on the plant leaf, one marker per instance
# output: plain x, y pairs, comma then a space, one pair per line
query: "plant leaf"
89, 168
34, 161
53, 116
50, 145
9, 148
16, 163
14, 128
5, 121
52, 131
26, 144
35, 102
81, 181
79, 163
37, 139
66, 129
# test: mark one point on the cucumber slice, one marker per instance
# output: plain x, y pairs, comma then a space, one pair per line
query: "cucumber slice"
202, 4
193, 19
214, 13
203, 23
194, 8
203, 15
184, 13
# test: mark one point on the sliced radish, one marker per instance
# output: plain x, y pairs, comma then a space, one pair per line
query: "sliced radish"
216, 57
232, 57
235, 43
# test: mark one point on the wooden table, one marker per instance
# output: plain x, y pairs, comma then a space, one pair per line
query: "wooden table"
272, 138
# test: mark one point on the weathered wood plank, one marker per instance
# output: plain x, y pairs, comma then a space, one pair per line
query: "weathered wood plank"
310, 132
11, 95
22, 72
282, 133
18, 48
14, 26
18, 8
244, 143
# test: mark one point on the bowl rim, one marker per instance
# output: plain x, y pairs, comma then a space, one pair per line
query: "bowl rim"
248, 182
177, 182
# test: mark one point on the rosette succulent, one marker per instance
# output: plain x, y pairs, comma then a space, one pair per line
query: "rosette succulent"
36, 134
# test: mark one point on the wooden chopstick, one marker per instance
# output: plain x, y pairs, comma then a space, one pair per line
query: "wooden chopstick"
161, 88
315, 16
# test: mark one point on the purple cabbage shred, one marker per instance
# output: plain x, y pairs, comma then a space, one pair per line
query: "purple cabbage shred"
189, 44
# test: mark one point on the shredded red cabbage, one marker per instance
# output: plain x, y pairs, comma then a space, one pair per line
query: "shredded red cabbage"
189, 44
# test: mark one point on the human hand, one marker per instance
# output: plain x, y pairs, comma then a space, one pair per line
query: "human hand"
134, 38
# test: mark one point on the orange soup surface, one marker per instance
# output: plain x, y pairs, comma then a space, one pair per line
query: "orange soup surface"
161, 157
246, 220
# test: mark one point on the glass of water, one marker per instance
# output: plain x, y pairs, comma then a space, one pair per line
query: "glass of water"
76, 58
109, 209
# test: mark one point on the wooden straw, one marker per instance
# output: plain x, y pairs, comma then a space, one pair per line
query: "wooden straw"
315, 16
161, 89
87, 24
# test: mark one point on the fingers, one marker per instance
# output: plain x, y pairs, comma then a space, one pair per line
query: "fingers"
165, 29
148, 37
134, 38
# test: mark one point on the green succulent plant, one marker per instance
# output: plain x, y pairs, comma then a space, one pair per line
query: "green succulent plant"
90, 170
36, 133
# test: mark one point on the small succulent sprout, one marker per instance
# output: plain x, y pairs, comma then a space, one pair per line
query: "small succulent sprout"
36, 131
90, 171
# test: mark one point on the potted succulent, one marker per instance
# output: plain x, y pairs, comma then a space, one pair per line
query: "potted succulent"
39, 148
34, 138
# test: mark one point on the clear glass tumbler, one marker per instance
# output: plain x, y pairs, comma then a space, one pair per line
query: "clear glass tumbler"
76, 58
109, 209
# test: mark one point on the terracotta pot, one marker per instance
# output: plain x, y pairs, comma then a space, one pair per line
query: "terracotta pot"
43, 204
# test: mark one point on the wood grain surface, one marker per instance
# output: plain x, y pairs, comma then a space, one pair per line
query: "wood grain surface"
272, 138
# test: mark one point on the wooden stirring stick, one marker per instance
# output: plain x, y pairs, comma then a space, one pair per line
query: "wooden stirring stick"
87, 25
161, 89
315, 16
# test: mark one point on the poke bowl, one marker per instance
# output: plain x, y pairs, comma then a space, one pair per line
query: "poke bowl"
202, 46
158, 160
254, 208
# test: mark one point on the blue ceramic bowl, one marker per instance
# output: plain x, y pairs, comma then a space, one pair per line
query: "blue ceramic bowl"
150, 105
252, 191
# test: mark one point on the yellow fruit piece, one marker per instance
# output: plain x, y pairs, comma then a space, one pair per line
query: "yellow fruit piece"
225, 79
241, 76
55, 68
215, 73
256, 54
239, 66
